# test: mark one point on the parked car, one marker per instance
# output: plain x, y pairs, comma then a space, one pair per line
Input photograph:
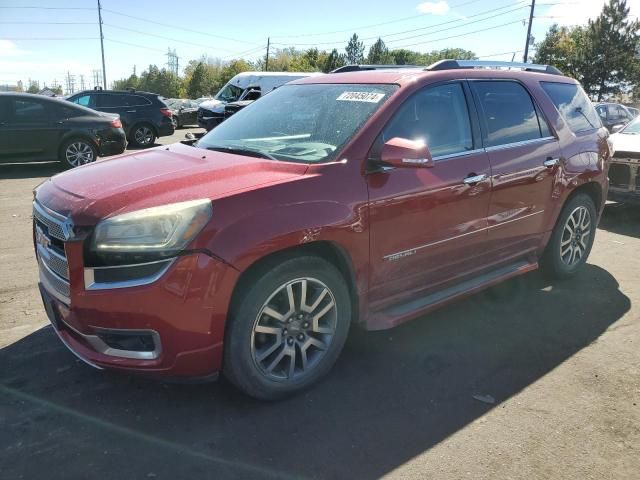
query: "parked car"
244, 86
183, 112
614, 116
36, 128
633, 111
368, 197
624, 173
144, 115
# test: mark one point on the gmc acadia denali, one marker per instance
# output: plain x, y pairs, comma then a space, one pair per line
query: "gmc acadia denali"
367, 197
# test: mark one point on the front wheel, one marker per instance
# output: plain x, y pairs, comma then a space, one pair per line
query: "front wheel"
572, 238
288, 329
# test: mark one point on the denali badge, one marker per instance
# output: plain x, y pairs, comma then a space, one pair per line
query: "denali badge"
42, 239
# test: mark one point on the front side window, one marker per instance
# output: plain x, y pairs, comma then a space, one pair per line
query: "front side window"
436, 115
507, 112
28, 111
574, 106
299, 123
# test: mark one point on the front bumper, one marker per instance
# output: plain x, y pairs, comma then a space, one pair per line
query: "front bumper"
166, 127
184, 311
209, 120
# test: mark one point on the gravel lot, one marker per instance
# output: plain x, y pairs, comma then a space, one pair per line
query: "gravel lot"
561, 362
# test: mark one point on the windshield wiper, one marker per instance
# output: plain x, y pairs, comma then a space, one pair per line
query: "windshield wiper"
243, 151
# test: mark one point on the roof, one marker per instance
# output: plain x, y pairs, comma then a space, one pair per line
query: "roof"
278, 74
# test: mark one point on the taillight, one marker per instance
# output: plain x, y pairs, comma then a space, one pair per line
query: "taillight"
166, 112
116, 123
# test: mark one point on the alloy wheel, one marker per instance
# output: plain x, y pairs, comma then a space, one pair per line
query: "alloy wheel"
575, 236
294, 329
79, 153
143, 136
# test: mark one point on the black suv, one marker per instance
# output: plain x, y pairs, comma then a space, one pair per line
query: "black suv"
36, 128
144, 115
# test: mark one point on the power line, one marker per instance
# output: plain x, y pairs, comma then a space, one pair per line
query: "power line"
403, 19
133, 44
22, 39
418, 29
47, 8
177, 28
47, 23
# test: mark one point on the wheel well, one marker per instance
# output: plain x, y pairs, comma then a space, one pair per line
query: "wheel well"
148, 124
76, 136
593, 189
325, 250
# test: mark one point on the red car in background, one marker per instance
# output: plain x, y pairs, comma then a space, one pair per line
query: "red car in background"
367, 197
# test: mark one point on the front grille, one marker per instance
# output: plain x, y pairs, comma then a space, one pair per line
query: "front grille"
49, 231
619, 175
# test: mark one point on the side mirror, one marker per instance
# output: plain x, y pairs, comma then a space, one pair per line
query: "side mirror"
404, 153
616, 128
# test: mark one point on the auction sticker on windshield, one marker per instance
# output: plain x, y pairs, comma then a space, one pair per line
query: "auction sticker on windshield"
361, 97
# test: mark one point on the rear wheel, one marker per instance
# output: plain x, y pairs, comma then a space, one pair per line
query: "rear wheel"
572, 237
288, 329
76, 152
142, 135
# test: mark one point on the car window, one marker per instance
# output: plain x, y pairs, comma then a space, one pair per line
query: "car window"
85, 101
573, 105
436, 115
68, 112
138, 101
28, 111
508, 113
112, 100
602, 111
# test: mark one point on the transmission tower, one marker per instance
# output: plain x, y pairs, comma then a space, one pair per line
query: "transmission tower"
172, 61
71, 83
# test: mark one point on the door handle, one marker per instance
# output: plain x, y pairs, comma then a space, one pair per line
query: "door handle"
473, 179
551, 162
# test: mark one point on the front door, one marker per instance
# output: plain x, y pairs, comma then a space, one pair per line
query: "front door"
524, 158
31, 130
427, 225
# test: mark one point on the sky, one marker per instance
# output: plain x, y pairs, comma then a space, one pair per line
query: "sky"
46, 40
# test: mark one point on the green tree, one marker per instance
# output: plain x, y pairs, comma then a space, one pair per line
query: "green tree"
201, 81
57, 90
355, 51
379, 54
334, 60
231, 70
33, 87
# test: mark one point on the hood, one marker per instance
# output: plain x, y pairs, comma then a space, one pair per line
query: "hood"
625, 143
158, 176
213, 105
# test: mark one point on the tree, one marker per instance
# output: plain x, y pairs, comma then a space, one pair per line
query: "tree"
379, 54
231, 70
334, 60
355, 51
57, 90
33, 87
201, 82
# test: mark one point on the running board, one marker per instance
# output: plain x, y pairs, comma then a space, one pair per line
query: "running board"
398, 313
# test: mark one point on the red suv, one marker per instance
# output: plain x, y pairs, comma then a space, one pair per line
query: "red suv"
367, 197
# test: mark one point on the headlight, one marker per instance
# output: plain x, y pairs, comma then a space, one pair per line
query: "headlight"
164, 229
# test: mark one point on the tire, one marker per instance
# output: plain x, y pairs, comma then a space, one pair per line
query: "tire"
271, 351
176, 120
142, 135
567, 252
77, 151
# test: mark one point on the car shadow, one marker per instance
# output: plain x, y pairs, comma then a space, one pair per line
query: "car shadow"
392, 395
29, 170
622, 219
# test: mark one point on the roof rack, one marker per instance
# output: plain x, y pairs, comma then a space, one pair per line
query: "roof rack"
455, 64
357, 68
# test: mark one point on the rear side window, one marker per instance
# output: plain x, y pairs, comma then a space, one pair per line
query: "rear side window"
68, 112
573, 105
138, 101
437, 115
28, 111
111, 100
508, 113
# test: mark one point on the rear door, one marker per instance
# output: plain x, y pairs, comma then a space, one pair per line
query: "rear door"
524, 158
32, 132
118, 104
5, 151
427, 225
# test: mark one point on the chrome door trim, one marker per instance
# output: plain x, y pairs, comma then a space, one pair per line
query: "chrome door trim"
411, 251
515, 219
519, 144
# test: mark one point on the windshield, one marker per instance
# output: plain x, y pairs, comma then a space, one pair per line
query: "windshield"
299, 123
632, 128
229, 93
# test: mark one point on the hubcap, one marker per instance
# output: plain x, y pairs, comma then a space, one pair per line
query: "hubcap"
575, 236
294, 329
144, 136
79, 153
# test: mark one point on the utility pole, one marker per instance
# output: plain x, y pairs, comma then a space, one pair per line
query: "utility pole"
526, 47
266, 63
82, 84
104, 71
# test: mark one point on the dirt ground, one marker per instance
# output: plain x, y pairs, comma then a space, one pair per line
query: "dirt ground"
531, 379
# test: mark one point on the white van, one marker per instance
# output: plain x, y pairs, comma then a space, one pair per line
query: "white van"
244, 86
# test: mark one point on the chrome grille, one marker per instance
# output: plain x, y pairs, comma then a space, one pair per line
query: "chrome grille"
53, 283
50, 230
